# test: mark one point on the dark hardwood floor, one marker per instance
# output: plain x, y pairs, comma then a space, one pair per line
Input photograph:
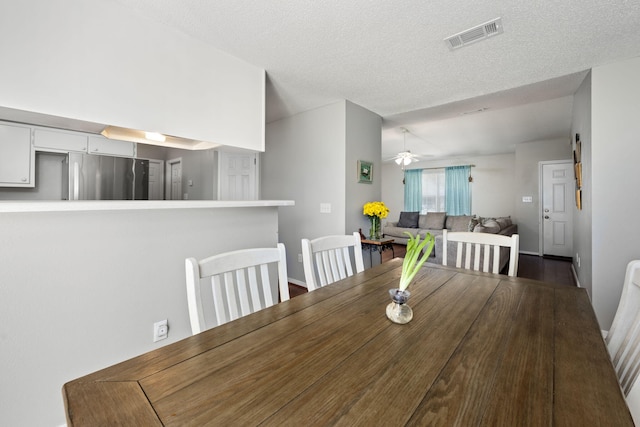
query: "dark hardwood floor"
551, 270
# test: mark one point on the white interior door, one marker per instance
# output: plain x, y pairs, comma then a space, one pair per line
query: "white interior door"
156, 180
238, 176
174, 181
558, 192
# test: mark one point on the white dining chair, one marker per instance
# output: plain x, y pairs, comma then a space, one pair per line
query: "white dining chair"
240, 284
623, 338
485, 246
328, 259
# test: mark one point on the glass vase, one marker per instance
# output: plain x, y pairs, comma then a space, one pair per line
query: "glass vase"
398, 311
374, 231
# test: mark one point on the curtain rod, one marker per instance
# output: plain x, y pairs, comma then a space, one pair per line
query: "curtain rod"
443, 167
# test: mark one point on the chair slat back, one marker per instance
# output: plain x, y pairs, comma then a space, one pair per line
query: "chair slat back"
481, 246
623, 339
240, 283
328, 259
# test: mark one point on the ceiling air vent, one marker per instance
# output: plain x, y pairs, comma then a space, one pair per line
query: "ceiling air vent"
472, 35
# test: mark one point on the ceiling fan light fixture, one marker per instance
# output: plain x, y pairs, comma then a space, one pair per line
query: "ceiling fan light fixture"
405, 157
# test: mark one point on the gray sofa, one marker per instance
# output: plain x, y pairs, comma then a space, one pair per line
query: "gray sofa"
435, 222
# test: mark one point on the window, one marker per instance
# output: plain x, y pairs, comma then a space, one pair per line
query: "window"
433, 190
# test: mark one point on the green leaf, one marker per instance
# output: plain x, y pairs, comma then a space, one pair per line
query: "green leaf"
411, 264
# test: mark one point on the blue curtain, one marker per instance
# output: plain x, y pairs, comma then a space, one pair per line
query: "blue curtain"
458, 190
413, 190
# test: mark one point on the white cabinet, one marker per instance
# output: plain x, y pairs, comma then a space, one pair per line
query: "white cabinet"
44, 139
17, 158
111, 147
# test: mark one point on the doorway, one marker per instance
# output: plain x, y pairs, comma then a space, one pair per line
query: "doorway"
238, 176
174, 179
156, 180
557, 190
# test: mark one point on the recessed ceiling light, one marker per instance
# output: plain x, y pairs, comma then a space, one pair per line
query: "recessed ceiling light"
155, 136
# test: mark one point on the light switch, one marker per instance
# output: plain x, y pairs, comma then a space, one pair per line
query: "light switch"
325, 207
527, 199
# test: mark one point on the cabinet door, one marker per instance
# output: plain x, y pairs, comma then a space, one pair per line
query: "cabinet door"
59, 141
111, 147
17, 159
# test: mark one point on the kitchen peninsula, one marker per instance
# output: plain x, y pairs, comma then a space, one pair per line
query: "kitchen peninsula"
83, 282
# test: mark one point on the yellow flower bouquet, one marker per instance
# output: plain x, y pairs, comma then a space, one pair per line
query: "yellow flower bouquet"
375, 211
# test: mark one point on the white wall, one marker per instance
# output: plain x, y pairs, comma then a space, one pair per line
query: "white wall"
311, 158
527, 182
582, 220
100, 62
615, 150
305, 162
492, 190
363, 142
80, 291
392, 190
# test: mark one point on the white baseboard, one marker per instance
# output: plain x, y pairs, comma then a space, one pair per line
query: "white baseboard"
297, 282
575, 275
529, 253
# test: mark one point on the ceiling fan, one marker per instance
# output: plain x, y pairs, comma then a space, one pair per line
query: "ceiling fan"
405, 157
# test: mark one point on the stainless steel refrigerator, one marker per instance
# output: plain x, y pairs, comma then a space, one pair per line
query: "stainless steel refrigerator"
93, 177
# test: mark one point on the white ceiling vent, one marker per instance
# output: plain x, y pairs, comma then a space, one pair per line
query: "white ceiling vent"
472, 35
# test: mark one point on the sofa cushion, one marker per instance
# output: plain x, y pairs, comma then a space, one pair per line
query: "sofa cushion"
458, 222
432, 220
408, 219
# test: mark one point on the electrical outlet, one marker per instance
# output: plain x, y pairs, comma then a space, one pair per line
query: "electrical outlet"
160, 330
299, 257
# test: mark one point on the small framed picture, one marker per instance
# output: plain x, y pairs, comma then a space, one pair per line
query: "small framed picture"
365, 171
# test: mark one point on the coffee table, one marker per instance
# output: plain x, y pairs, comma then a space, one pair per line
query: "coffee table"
377, 245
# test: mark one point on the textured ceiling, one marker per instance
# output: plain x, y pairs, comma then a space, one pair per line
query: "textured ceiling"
390, 58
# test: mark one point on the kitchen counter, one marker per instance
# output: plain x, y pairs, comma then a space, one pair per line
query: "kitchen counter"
111, 205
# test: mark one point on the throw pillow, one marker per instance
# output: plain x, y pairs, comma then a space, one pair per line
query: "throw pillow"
473, 222
458, 222
479, 228
408, 219
434, 221
504, 221
491, 226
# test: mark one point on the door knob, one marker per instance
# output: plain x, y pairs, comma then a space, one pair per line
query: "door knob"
546, 210
546, 217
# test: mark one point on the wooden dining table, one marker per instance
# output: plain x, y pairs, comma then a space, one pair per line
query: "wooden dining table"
481, 350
